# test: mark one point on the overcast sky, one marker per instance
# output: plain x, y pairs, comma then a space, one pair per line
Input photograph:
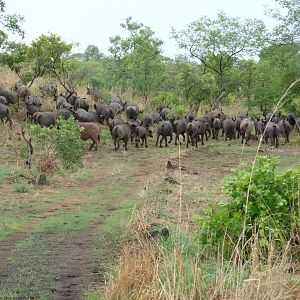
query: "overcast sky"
94, 21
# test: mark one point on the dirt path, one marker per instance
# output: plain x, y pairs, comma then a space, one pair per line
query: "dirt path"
66, 203
73, 274
70, 261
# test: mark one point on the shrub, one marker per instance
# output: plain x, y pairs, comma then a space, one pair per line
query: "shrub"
271, 211
22, 187
177, 112
61, 142
67, 143
43, 138
163, 99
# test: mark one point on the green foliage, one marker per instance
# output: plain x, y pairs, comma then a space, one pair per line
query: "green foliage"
271, 211
193, 84
15, 107
264, 82
288, 21
218, 43
164, 99
10, 23
36, 60
43, 139
62, 142
177, 112
293, 106
22, 187
105, 137
92, 53
46, 52
67, 143
15, 56
136, 62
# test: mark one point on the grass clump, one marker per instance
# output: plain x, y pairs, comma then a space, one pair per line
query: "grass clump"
4, 172
22, 187
216, 150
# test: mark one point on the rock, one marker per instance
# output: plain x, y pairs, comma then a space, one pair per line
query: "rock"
171, 180
157, 233
42, 180
172, 167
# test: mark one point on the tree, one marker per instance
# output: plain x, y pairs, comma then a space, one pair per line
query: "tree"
38, 59
15, 56
10, 23
288, 29
137, 58
193, 84
92, 53
277, 68
218, 43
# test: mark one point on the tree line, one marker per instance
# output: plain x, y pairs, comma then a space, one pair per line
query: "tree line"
226, 60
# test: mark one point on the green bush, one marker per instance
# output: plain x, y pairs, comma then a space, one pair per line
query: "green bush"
22, 187
163, 99
67, 143
62, 142
177, 112
272, 209
43, 139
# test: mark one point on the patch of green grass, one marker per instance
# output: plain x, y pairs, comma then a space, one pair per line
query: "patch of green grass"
22, 187
216, 150
4, 173
10, 224
110, 237
116, 223
92, 295
71, 221
11, 220
105, 137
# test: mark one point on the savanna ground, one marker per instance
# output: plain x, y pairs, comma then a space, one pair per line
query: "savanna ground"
63, 241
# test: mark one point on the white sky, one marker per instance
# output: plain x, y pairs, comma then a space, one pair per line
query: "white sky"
94, 21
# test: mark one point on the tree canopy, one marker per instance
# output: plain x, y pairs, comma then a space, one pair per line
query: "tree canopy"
217, 43
9, 23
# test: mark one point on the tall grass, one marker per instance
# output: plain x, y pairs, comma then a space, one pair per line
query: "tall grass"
181, 268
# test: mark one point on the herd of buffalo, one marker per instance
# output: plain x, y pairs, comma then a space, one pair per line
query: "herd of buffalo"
138, 127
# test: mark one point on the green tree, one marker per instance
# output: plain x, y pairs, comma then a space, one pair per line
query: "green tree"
38, 59
287, 30
218, 43
92, 53
15, 56
277, 68
9, 23
47, 52
194, 85
137, 59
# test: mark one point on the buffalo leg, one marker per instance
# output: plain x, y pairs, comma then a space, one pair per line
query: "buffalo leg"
156, 144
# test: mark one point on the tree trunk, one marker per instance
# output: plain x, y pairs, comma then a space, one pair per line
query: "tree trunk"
219, 98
